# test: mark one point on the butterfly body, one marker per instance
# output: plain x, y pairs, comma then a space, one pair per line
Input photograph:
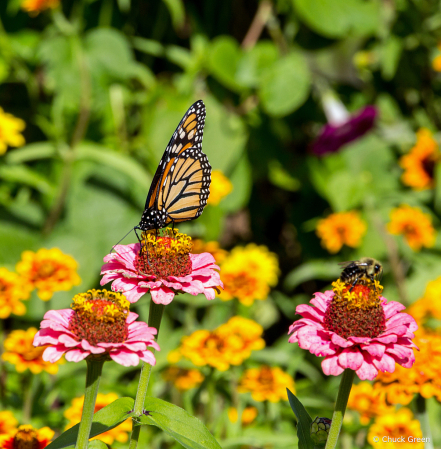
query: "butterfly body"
181, 185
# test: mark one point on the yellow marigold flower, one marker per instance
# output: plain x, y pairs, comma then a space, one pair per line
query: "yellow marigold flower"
424, 377
396, 430
36, 6
183, 379
219, 254
10, 131
368, 402
229, 344
266, 384
248, 273
120, 433
20, 352
249, 414
13, 289
341, 228
419, 163
414, 225
8, 423
48, 270
27, 437
219, 188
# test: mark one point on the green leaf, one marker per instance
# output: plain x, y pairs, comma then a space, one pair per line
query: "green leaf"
224, 59
31, 152
22, 174
177, 12
148, 46
338, 18
105, 419
97, 444
176, 422
304, 422
281, 178
390, 57
317, 269
121, 162
285, 85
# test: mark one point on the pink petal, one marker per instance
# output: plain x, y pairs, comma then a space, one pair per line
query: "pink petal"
125, 358
331, 367
162, 295
367, 371
148, 357
76, 355
53, 353
68, 341
374, 349
385, 364
322, 300
392, 308
310, 312
340, 341
90, 348
350, 358
202, 260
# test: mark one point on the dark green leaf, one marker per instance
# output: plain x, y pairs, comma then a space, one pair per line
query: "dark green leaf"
176, 422
303, 422
105, 419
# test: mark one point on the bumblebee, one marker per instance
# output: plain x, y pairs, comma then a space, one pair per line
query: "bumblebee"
360, 270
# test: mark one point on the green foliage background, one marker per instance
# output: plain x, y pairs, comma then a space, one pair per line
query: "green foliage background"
102, 84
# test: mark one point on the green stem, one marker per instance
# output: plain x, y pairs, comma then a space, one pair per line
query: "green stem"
27, 396
93, 376
340, 408
155, 317
423, 418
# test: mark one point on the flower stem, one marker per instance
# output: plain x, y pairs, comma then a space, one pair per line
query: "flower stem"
93, 376
155, 317
340, 407
423, 418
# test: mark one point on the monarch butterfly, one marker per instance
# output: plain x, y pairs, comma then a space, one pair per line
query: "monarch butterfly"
181, 184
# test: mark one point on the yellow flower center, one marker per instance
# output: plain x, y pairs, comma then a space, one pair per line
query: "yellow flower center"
45, 270
164, 255
26, 438
356, 311
100, 317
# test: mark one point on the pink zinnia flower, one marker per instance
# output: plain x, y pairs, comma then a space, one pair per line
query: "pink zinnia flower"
98, 325
359, 330
164, 267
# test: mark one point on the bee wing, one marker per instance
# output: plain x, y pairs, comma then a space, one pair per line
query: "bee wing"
345, 264
355, 262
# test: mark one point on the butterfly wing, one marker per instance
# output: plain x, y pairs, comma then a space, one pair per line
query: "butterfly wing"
185, 142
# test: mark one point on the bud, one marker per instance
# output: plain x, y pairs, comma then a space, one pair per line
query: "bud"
319, 430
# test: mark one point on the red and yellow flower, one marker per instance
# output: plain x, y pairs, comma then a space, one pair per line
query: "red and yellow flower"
20, 352
27, 437
419, 164
13, 290
266, 384
249, 414
49, 271
183, 379
248, 274
341, 228
10, 131
119, 433
414, 225
229, 344
219, 188
8, 423
36, 6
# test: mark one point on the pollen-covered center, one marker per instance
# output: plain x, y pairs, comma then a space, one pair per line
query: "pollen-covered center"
164, 255
356, 313
100, 317
26, 438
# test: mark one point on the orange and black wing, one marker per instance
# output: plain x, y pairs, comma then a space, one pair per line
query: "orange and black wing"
186, 142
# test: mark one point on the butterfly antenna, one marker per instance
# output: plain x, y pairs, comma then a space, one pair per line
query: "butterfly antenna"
113, 247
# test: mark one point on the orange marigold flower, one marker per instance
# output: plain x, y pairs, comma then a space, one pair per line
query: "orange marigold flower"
13, 290
183, 379
199, 247
229, 344
8, 423
424, 377
249, 414
10, 131
414, 225
436, 63
341, 228
36, 6
266, 384
219, 188
120, 433
419, 163
20, 352
368, 402
48, 270
27, 437
396, 430
248, 273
